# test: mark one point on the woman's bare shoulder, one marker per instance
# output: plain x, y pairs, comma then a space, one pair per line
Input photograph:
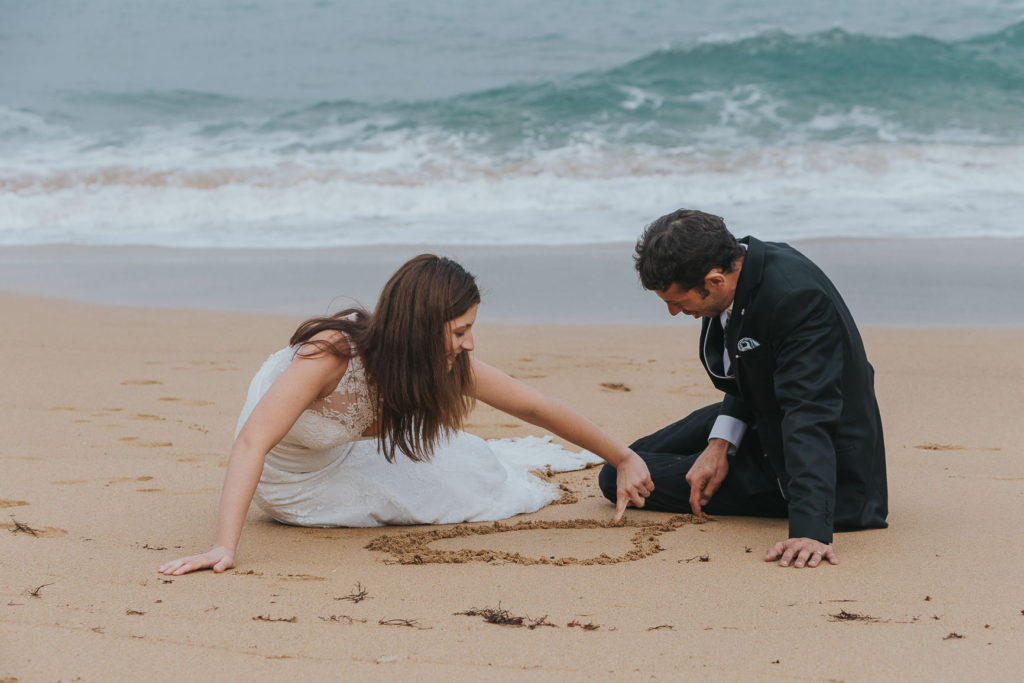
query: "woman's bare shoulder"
318, 347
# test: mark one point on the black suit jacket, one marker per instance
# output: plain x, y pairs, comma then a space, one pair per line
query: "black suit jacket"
801, 378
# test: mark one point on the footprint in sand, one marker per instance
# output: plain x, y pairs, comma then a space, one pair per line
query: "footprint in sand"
106, 482
125, 480
13, 503
134, 441
938, 447
187, 403
214, 365
145, 416
949, 447
301, 577
415, 547
196, 492
615, 386
141, 382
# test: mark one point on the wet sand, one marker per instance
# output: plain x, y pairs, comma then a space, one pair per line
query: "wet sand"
901, 283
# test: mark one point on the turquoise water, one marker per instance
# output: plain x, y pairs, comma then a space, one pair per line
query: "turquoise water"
306, 124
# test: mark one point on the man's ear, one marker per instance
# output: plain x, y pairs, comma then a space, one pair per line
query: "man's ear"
714, 280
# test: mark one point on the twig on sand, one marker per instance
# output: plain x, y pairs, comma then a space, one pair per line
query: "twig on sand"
703, 558
342, 619
35, 592
267, 617
411, 623
502, 617
585, 627
22, 528
358, 594
843, 615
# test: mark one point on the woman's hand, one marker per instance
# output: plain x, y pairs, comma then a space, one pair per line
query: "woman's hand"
219, 559
633, 484
305, 379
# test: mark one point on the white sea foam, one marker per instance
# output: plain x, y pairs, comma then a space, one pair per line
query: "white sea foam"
434, 190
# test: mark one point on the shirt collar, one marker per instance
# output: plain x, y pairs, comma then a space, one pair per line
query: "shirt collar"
727, 313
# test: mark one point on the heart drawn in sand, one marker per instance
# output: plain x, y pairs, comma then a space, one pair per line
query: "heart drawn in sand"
414, 547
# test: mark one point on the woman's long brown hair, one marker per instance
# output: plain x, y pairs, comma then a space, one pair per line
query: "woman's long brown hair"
418, 399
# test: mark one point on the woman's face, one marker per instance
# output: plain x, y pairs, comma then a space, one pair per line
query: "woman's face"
459, 334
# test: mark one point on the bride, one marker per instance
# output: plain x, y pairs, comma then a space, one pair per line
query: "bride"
357, 423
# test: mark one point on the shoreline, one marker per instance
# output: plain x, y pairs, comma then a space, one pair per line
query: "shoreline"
949, 283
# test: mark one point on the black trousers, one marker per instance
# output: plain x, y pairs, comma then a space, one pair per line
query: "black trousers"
750, 488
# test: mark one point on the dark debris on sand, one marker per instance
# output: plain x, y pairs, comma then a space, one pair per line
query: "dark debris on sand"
502, 617
358, 594
36, 592
586, 627
267, 617
411, 623
22, 528
843, 615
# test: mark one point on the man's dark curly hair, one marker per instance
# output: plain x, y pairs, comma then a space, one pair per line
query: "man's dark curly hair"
682, 247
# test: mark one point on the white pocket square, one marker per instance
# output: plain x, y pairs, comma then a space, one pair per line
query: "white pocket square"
747, 344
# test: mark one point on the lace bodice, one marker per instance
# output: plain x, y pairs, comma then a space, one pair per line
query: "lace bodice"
345, 415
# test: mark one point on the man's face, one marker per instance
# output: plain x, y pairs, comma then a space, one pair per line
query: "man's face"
694, 302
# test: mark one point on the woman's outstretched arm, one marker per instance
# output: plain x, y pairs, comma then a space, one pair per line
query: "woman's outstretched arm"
495, 388
299, 385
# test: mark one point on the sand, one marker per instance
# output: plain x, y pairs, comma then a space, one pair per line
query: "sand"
116, 423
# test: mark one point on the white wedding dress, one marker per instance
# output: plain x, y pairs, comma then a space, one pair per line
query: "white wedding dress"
324, 473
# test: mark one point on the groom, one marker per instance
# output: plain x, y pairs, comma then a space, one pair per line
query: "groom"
798, 433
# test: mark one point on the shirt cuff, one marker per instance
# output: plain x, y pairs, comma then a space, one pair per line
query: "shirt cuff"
730, 429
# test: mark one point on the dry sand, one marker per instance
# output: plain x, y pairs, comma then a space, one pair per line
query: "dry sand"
116, 423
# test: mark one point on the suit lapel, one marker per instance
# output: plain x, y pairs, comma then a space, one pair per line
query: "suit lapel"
750, 278
711, 347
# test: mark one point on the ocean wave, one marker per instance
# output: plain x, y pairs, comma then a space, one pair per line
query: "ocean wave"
768, 87
765, 88
589, 196
805, 129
